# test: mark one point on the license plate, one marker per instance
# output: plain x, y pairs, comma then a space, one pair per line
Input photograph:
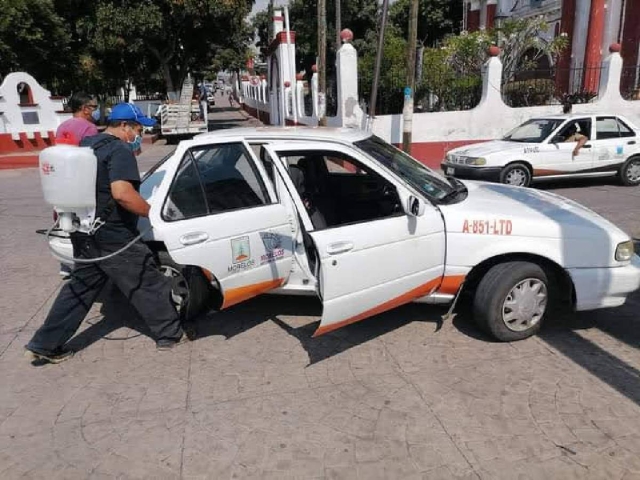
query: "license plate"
450, 171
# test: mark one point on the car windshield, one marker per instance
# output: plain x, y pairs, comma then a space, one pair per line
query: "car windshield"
423, 179
533, 131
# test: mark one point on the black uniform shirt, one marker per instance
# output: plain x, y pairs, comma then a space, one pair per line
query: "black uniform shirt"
115, 162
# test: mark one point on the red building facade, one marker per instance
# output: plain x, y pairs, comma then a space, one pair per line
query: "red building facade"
591, 27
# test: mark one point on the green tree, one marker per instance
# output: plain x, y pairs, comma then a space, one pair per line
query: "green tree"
180, 35
33, 38
436, 18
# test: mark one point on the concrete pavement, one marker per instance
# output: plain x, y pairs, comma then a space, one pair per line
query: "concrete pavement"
255, 396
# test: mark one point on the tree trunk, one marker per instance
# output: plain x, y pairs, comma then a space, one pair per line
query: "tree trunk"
322, 60
166, 72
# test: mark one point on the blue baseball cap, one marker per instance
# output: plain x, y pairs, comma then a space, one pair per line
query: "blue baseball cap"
128, 112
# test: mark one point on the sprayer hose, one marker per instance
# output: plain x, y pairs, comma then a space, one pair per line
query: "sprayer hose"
91, 260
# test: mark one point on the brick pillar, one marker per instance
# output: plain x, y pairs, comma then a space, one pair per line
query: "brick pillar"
473, 18
491, 15
630, 41
593, 52
567, 22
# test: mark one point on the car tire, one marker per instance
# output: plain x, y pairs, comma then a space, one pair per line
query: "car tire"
630, 172
514, 172
511, 300
190, 290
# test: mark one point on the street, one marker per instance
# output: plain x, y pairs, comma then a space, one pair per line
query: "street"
401, 395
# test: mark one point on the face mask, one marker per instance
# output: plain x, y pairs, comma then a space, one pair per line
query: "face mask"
136, 144
95, 115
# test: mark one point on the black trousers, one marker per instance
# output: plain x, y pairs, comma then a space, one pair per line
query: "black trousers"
134, 272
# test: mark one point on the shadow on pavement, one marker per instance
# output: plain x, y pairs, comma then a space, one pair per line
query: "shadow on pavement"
563, 183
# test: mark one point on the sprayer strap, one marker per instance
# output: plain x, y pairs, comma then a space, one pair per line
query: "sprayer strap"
111, 204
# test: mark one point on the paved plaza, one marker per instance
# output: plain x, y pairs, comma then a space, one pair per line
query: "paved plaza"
400, 396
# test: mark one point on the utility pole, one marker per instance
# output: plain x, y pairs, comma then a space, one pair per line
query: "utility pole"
322, 60
338, 24
376, 70
409, 91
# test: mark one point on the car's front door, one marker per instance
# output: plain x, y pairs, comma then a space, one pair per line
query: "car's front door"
220, 212
372, 255
557, 157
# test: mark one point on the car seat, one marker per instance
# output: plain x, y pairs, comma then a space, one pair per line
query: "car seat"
298, 177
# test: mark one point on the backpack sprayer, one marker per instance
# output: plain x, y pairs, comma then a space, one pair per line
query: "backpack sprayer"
68, 177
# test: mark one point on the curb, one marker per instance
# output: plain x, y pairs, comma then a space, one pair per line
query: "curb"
9, 162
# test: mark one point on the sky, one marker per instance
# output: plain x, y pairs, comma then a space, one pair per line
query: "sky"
262, 5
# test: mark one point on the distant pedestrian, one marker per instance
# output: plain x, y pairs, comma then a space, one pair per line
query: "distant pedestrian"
202, 101
81, 125
73, 130
567, 107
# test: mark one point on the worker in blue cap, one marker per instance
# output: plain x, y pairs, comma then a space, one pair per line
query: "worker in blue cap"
135, 271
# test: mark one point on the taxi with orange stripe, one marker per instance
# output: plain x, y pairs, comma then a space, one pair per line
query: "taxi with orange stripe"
343, 215
554, 146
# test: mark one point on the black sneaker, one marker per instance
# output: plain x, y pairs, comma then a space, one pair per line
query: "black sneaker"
166, 344
58, 355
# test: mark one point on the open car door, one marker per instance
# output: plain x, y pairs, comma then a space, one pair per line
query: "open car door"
220, 212
372, 255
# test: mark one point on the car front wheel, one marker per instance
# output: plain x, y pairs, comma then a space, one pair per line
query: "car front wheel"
630, 172
516, 174
511, 300
190, 291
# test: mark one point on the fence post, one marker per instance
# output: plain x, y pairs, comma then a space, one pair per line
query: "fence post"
492, 80
314, 91
349, 112
300, 95
609, 89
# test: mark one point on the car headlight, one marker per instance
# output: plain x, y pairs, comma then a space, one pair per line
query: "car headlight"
624, 251
475, 161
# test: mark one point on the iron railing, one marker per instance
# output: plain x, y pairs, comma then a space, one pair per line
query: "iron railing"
438, 90
551, 86
630, 83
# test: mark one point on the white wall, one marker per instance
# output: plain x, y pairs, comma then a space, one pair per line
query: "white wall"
45, 109
492, 118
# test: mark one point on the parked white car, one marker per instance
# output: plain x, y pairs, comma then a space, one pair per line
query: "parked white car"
345, 216
542, 148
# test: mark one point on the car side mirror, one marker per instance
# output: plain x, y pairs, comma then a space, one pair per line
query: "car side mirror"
415, 207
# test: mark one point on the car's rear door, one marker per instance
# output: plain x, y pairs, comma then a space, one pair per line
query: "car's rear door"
217, 209
369, 264
614, 143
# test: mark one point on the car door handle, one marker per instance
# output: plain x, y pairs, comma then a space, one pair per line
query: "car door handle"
632, 142
339, 247
194, 238
586, 146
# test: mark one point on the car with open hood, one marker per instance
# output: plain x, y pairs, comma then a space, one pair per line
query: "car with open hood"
343, 215
545, 148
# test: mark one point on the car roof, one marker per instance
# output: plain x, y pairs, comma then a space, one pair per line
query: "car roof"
568, 116
348, 135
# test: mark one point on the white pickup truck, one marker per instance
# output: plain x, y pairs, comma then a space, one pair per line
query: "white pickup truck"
345, 216
179, 120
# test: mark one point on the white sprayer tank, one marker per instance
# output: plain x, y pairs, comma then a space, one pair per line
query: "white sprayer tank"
68, 178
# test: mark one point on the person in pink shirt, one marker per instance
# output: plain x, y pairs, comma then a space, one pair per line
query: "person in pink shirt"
81, 124
75, 129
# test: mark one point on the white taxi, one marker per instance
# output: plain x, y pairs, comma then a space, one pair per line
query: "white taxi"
343, 215
545, 148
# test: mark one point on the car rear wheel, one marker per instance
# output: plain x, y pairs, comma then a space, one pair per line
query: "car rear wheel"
516, 174
190, 290
630, 172
511, 300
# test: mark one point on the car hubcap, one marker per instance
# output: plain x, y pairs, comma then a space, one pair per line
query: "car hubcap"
179, 286
633, 171
525, 305
517, 177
